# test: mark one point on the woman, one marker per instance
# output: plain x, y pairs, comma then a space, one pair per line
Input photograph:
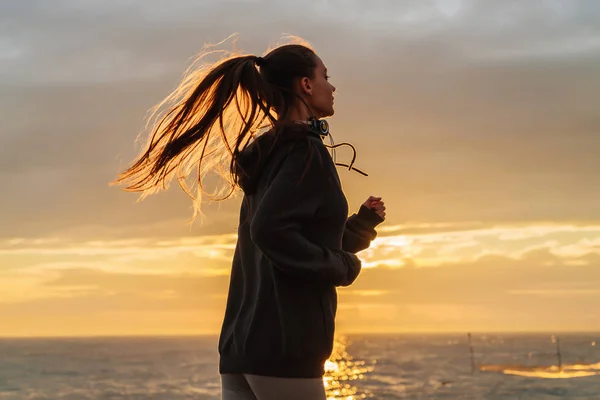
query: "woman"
295, 243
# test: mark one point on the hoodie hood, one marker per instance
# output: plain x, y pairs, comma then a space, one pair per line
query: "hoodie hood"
253, 159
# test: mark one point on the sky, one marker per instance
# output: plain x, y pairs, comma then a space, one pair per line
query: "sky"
477, 122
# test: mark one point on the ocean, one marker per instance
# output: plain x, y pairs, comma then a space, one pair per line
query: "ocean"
518, 366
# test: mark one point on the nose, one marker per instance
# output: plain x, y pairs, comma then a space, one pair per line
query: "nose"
332, 88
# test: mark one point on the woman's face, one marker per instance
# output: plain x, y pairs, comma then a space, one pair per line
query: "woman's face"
318, 92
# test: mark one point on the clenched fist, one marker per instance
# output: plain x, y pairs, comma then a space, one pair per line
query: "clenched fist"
376, 204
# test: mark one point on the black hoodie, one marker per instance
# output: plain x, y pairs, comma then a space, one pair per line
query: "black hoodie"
295, 245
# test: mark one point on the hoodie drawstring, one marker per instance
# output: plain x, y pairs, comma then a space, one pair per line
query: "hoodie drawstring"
333, 146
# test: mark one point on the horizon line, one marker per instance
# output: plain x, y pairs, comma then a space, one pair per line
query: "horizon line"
341, 334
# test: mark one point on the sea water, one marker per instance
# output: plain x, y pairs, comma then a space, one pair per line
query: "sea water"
440, 366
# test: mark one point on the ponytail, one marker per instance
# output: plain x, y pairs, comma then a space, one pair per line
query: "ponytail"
210, 118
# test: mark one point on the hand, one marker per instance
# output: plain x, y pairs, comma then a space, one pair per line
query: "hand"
376, 204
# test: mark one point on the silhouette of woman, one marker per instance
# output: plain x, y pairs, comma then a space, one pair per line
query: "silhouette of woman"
296, 243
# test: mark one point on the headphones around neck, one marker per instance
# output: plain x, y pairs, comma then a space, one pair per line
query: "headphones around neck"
319, 126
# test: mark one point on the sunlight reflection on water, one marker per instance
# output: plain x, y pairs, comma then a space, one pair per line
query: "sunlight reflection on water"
566, 371
341, 371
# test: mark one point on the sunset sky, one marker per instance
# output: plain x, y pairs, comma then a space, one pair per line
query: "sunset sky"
477, 121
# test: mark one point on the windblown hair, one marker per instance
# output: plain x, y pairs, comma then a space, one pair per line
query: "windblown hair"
214, 113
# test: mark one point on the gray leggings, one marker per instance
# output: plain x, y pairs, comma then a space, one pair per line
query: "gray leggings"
255, 387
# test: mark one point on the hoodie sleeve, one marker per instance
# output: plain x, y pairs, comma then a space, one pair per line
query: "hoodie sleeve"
360, 230
276, 228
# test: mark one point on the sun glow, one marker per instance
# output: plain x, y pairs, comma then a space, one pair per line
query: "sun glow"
341, 371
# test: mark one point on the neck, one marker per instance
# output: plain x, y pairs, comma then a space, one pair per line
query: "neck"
298, 113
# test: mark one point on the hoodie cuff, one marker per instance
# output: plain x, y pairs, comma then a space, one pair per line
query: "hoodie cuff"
368, 216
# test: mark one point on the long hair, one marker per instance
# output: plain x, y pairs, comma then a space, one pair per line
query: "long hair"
214, 113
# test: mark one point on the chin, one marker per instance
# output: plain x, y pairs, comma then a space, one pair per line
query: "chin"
327, 113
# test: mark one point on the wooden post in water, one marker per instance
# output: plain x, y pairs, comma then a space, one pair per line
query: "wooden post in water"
471, 351
558, 354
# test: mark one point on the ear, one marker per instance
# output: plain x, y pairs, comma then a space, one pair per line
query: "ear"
306, 86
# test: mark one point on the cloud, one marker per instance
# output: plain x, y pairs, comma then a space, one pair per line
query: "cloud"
403, 246
186, 289
60, 268
562, 293
539, 292
87, 301
474, 119
436, 245
509, 277
202, 246
124, 52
